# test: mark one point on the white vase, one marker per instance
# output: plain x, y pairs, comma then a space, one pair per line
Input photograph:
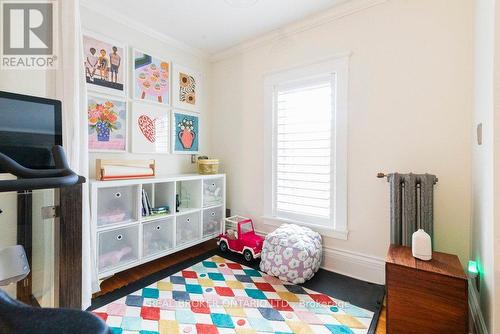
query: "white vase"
421, 245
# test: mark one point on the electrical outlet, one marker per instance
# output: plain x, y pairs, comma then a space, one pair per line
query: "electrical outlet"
193, 158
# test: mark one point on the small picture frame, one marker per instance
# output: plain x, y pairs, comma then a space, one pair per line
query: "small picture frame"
150, 128
151, 78
105, 63
185, 132
186, 88
107, 123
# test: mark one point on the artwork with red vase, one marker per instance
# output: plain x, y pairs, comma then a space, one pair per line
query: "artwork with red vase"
186, 133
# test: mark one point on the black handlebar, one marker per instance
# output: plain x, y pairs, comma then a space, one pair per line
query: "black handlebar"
31, 179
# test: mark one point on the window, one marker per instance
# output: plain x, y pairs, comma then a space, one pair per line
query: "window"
306, 165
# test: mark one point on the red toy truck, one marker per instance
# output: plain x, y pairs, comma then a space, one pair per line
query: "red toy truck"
239, 237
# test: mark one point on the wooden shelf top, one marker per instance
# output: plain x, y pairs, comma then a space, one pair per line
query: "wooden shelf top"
441, 263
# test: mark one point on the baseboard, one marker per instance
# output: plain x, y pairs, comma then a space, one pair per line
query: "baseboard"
478, 323
361, 266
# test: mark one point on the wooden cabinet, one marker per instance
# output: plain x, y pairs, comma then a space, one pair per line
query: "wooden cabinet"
425, 296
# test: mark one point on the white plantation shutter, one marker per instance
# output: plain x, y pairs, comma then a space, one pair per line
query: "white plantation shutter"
306, 146
303, 150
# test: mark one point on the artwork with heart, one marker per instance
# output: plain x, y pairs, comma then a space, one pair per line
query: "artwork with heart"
150, 133
147, 127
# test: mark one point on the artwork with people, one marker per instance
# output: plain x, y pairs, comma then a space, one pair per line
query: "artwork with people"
104, 65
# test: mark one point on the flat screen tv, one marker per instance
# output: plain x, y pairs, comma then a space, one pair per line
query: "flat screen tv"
29, 127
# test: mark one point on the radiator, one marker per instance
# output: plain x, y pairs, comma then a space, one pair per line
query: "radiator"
412, 197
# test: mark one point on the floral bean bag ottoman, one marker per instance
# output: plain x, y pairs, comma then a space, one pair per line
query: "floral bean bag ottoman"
292, 253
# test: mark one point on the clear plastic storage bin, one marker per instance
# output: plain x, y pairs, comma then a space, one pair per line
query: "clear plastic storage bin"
213, 192
118, 247
212, 221
158, 236
187, 228
116, 205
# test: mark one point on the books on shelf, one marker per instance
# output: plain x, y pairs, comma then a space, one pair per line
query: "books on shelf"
146, 204
149, 210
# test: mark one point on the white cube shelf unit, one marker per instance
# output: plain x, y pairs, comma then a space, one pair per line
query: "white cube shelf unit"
126, 238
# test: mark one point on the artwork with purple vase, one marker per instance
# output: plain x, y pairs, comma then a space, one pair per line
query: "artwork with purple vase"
107, 123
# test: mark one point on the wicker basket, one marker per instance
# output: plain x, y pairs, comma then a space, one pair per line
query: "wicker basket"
208, 166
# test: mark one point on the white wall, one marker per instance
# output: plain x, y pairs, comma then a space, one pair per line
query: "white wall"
410, 105
495, 300
121, 31
483, 165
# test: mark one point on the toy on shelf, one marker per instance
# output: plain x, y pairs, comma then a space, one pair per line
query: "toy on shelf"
239, 237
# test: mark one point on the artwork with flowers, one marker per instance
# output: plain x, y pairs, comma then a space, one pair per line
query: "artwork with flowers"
150, 128
107, 124
151, 78
186, 133
186, 88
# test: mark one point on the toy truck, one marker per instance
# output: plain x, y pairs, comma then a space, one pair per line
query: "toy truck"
239, 236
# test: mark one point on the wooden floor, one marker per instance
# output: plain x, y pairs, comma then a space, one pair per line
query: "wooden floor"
381, 322
132, 275
126, 277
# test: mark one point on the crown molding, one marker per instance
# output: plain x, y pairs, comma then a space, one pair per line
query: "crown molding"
101, 9
335, 13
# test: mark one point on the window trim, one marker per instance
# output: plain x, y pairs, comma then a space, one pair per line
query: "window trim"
337, 68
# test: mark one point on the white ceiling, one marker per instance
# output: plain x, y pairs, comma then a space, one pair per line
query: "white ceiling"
213, 25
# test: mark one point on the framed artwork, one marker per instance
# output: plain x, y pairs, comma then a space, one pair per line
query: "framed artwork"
186, 89
185, 132
151, 78
150, 128
107, 123
105, 64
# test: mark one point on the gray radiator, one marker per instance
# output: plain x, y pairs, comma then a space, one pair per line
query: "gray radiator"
412, 197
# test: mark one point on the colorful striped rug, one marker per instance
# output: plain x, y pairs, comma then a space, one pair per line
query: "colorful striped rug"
221, 296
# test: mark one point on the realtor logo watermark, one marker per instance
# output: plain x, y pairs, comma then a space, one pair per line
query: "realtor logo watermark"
29, 35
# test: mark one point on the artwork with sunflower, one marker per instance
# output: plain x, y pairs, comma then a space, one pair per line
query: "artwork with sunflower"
107, 123
186, 88
185, 132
